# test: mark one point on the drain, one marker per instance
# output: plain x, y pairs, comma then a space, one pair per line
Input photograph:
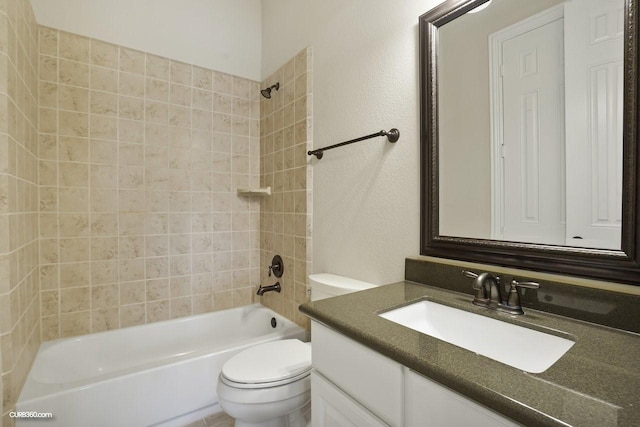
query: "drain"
274, 322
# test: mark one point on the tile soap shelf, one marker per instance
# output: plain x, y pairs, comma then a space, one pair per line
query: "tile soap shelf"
254, 192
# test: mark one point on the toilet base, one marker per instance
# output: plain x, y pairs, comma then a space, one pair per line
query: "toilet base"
298, 418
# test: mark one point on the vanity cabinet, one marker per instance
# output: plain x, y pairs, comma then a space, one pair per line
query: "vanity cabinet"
428, 403
372, 380
353, 385
330, 406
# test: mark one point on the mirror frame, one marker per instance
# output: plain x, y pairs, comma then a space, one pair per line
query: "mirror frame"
611, 265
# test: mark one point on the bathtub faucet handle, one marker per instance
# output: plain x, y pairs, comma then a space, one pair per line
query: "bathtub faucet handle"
277, 266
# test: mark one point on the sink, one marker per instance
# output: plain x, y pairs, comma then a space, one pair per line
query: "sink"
516, 346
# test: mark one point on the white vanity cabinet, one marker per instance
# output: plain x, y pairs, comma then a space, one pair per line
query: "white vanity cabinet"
372, 380
354, 386
330, 406
428, 403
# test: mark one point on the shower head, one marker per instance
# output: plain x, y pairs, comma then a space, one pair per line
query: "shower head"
267, 92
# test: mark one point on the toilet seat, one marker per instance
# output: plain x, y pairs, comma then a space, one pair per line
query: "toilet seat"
271, 364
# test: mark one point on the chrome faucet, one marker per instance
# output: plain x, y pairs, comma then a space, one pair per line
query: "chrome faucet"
263, 289
489, 292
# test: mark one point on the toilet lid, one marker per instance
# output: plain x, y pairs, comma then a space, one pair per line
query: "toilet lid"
269, 362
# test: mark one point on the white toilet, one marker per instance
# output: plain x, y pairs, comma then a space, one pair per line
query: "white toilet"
269, 385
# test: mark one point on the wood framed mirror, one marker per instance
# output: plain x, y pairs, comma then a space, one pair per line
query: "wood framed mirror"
564, 211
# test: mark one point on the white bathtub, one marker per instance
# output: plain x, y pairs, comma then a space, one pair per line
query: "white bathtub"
159, 374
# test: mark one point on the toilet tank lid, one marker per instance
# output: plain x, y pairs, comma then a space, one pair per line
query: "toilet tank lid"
338, 285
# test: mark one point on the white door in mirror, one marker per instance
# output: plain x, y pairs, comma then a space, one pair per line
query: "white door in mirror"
533, 143
594, 95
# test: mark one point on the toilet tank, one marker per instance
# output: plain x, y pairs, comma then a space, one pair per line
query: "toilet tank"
325, 285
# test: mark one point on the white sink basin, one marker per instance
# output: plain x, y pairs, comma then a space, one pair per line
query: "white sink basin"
517, 346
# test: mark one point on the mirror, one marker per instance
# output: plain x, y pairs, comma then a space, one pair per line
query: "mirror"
529, 135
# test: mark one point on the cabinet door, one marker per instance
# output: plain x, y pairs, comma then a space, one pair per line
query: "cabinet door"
429, 404
330, 407
373, 380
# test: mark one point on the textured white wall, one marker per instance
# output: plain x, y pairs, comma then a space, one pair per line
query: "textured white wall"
366, 212
224, 35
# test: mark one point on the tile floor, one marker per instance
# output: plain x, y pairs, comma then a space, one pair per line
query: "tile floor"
217, 420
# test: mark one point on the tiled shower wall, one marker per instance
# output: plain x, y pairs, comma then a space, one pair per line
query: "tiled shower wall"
19, 302
285, 216
139, 160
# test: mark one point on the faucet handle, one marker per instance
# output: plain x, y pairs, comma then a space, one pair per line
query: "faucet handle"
481, 295
514, 296
276, 267
472, 275
529, 285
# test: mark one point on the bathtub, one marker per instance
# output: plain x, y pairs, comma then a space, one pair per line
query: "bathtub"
158, 374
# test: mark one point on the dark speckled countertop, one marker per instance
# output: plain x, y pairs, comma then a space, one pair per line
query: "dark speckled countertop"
596, 383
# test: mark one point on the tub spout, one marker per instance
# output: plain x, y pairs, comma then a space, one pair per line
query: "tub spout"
263, 289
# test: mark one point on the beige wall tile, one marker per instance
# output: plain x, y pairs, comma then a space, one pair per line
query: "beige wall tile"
48, 41
285, 131
157, 112
20, 198
104, 272
181, 73
74, 250
73, 174
137, 182
202, 78
131, 315
104, 79
131, 85
103, 200
157, 67
104, 152
104, 128
180, 95
48, 94
202, 99
104, 103
72, 73
131, 293
131, 108
50, 328
73, 149
75, 274
73, 324
47, 148
104, 54
74, 300
157, 90
73, 124
104, 296
222, 83
158, 311
104, 248
48, 68
132, 130
74, 47
48, 122
132, 61
73, 199
105, 319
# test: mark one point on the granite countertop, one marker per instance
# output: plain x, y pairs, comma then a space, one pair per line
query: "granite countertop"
596, 383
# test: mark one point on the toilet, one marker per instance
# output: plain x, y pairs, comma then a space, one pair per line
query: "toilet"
269, 385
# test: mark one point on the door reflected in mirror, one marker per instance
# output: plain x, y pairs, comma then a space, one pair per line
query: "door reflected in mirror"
530, 123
